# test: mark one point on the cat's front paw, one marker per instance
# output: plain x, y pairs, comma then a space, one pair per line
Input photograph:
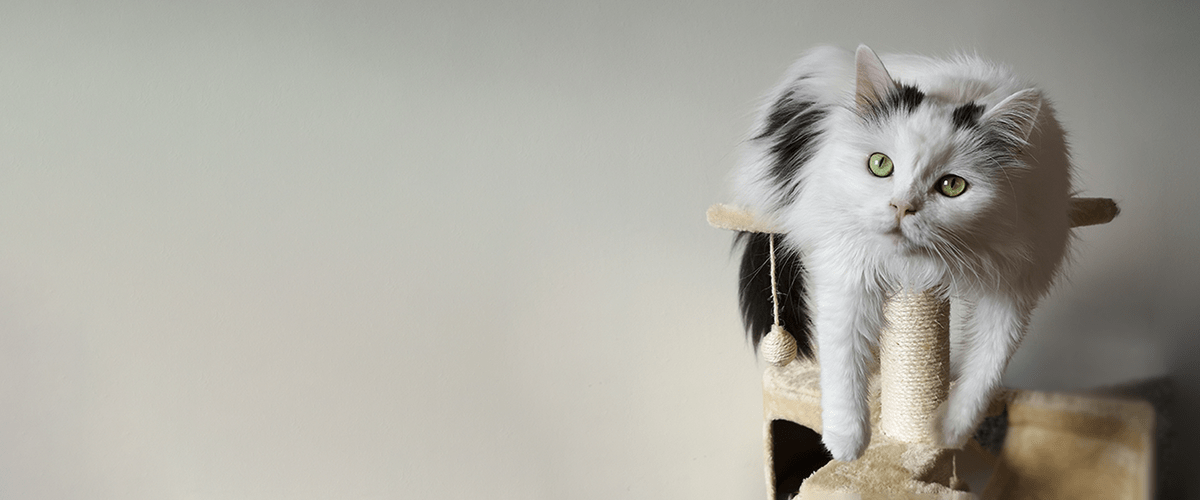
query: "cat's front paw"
954, 424
846, 440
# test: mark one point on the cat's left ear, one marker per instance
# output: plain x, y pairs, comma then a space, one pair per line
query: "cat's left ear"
1013, 119
873, 83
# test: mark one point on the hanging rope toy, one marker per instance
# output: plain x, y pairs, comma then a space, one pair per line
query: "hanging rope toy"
778, 347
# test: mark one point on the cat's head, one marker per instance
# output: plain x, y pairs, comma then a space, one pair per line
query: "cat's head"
926, 172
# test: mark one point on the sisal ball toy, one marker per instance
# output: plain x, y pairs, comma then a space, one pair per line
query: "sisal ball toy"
778, 347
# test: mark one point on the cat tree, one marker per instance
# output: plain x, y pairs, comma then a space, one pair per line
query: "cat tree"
1057, 445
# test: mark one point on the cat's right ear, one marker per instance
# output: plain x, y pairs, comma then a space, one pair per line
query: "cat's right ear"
874, 84
1013, 118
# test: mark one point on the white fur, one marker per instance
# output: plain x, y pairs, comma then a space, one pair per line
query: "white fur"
996, 248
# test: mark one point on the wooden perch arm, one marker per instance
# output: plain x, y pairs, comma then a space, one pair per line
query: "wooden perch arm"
722, 216
1084, 212
1093, 211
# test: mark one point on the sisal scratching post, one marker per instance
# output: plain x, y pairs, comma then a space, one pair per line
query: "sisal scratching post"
914, 362
914, 380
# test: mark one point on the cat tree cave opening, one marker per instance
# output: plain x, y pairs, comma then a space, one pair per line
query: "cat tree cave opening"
797, 453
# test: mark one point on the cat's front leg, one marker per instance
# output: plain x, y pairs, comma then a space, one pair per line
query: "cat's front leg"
847, 320
993, 330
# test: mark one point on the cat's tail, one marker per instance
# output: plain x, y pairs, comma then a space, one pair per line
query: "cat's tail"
754, 292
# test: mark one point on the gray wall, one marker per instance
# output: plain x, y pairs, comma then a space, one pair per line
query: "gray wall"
367, 250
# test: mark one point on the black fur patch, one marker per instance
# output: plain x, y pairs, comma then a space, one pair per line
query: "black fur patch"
754, 293
906, 98
967, 115
792, 128
781, 113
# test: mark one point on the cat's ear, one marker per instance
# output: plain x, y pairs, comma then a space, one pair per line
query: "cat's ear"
1013, 119
874, 84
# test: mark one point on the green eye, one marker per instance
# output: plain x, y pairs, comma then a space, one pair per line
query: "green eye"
952, 185
880, 165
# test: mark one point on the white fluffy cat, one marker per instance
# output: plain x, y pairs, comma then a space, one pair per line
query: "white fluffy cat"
905, 172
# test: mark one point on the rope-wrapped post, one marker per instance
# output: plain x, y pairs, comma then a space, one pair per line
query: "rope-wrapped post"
914, 357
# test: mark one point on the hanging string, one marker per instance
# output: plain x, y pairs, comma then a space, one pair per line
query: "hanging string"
774, 286
778, 347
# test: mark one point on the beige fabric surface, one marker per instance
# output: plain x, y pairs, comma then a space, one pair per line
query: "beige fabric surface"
793, 393
1064, 446
889, 469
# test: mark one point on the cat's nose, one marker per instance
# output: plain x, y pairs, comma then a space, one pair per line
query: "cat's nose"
903, 208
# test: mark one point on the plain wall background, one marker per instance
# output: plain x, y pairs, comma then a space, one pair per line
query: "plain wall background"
365, 250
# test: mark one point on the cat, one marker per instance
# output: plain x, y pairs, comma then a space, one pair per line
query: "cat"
905, 172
